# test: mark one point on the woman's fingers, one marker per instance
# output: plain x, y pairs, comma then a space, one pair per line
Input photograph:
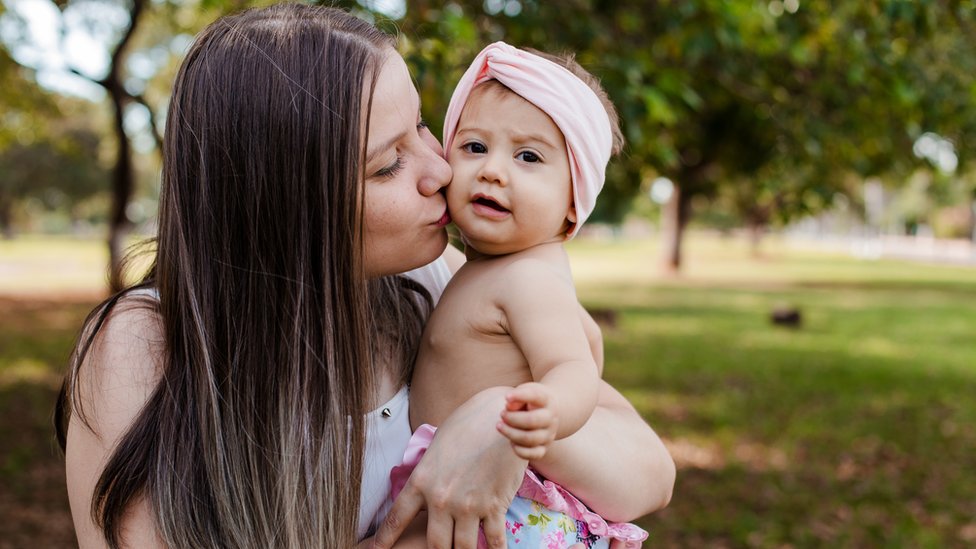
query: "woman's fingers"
440, 530
466, 533
403, 510
494, 529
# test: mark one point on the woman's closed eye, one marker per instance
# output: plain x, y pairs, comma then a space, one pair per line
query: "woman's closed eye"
528, 156
391, 170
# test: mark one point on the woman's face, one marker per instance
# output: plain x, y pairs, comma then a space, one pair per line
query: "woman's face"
405, 212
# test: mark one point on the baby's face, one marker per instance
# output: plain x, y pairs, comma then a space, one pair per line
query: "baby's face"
512, 187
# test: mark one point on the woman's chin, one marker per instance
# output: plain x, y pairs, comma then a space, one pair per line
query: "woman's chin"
411, 255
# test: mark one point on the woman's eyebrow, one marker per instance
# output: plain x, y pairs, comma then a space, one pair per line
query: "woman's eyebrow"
373, 151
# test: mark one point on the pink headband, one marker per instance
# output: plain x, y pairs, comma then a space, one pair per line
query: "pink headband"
571, 104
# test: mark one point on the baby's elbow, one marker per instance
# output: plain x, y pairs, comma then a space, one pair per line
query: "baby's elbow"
665, 488
658, 489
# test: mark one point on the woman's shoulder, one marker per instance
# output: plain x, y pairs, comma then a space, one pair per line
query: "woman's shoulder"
122, 365
435, 275
111, 387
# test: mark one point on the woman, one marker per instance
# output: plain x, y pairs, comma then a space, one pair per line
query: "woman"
224, 401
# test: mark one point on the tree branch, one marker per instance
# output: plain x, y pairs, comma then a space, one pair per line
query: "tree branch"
157, 136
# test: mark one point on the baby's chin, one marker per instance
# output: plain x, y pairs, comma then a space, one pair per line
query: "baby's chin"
474, 248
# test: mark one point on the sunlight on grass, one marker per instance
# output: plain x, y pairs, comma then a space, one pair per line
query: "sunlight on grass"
852, 430
28, 370
35, 264
58, 264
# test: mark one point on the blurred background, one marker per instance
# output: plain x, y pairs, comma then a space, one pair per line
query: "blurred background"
782, 259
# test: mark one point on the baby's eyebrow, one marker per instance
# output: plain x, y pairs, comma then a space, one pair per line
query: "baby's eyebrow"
525, 137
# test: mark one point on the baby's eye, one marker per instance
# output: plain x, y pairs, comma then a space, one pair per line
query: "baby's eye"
528, 156
475, 147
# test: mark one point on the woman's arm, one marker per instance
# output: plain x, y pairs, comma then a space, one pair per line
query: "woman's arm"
469, 474
115, 381
616, 463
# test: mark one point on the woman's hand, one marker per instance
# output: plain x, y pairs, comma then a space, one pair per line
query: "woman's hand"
466, 479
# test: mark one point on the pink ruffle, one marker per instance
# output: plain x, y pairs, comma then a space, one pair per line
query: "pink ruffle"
416, 447
549, 494
556, 498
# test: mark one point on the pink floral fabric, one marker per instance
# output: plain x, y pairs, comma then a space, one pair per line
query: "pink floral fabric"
543, 513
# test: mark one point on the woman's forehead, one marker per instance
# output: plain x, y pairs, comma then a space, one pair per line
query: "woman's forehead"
395, 99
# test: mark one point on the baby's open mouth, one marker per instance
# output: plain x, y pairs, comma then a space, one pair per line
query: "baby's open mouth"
484, 201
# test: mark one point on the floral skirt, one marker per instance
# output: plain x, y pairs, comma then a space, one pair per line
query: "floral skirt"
543, 515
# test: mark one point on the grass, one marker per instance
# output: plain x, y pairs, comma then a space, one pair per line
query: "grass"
856, 430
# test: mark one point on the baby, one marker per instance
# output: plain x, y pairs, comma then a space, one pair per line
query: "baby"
528, 137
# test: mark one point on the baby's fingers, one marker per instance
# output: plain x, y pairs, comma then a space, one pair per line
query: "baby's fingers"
528, 439
531, 395
530, 454
542, 418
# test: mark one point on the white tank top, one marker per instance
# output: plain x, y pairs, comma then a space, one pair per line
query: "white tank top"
388, 427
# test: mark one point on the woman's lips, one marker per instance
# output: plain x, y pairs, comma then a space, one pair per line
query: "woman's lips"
444, 220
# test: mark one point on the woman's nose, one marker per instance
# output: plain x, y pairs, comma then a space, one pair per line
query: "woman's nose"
437, 172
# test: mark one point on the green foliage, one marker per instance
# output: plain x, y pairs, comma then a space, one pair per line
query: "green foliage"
772, 108
48, 152
56, 172
778, 101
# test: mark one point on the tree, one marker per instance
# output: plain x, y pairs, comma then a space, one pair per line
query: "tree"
778, 101
58, 170
777, 104
121, 25
21, 103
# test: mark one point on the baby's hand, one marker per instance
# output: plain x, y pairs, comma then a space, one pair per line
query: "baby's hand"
528, 421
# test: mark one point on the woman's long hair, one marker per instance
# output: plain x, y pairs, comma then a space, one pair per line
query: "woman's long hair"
254, 435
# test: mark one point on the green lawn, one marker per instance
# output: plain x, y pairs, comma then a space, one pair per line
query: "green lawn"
856, 430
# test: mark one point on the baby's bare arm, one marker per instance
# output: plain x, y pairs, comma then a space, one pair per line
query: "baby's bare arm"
542, 316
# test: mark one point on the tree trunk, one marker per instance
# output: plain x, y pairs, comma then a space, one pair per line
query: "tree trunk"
122, 185
756, 231
677, 212
6, 219
123, 179
972, 220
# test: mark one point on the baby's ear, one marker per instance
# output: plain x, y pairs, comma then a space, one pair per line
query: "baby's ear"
570, 222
